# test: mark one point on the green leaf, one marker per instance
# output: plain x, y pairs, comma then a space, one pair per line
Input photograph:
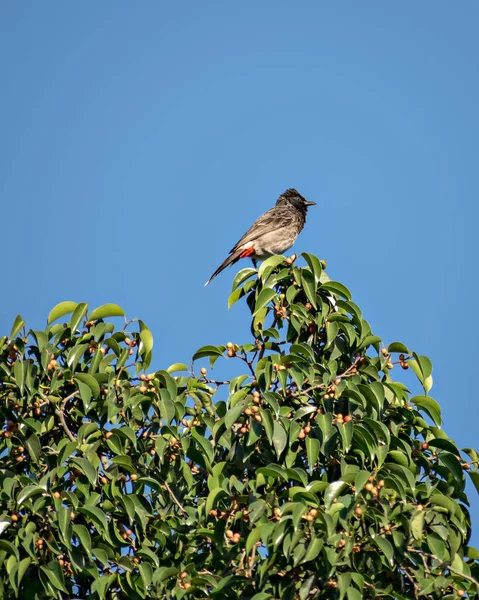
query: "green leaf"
253, 538
242, 276
398, 347
444, 445
429, 406
234, 413
206, 351
17, 573
313, 447
123, 460
86, 467
27, 492
128, 433
60, 310
314, 548
268, 423
346, 431
101, 555
146, 344
106, 310
369, 340
205, 444
55, 575
332, 329
19, 372
147, 553
385, 547
268, 265
309, 285
360, 480
353, 594
265, 296
213, 497
10, 548
256, 509
344, 579
18, 324
96, 515
338, 289
451, 463
34, 447
280, 438
306, 587
262, 596
64, 519
75, 355
471, 552
314, 265
422, 367
272, 401
417, 524
146, 573
90, 381
77, 316
333, 491
475, 479
83, 535
437, 546
176, 367
129, 507
273, 471
240, 292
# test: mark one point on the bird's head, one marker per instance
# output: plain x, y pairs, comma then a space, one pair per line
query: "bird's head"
292, 196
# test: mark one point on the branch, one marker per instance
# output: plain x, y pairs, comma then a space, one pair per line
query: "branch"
249, 572
175, 499
266, 339
411, 579
455, 571
61, 416
350, 372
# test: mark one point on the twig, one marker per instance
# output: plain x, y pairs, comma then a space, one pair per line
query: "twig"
250, 366
217, 383
455, 571
266, 339
321, 386
174, 498
241, 568
61, 416
411, 579
251, 562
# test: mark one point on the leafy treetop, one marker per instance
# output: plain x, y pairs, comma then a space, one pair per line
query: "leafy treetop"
316, 475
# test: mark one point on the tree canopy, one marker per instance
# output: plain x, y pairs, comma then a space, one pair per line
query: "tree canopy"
315, 474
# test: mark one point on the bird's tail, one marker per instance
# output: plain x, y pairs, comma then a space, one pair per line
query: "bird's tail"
232, 258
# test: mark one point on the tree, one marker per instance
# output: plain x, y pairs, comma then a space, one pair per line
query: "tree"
316, 475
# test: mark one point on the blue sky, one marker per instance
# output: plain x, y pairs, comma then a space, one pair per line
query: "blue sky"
140, 140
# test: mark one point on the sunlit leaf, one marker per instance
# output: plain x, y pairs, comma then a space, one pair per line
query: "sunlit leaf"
60, 310
106, 310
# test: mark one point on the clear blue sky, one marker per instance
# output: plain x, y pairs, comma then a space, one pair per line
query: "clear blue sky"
140, 139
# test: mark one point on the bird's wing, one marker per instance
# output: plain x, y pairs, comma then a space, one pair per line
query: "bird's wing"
273, 219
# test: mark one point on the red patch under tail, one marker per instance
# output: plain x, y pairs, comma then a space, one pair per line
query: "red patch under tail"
247, 252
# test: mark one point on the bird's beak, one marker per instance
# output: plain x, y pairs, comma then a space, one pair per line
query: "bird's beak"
308, 203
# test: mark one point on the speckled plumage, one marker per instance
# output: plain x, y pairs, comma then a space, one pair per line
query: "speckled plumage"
273, 233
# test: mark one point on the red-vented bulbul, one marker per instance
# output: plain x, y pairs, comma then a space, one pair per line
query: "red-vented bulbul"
273, 233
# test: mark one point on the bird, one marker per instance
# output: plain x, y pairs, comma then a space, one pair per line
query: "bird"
273, 233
